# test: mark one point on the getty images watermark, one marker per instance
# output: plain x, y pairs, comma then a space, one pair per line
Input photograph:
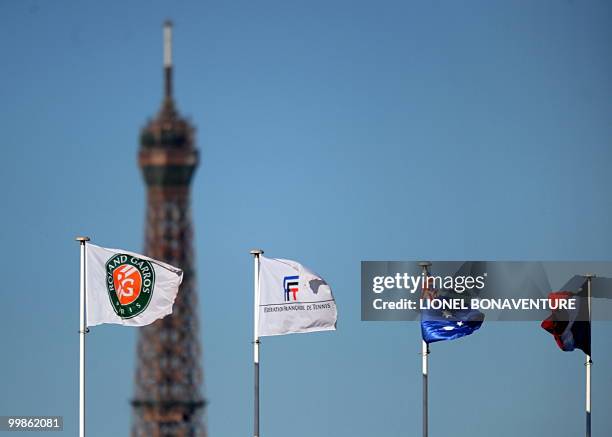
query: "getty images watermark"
400, 290
438, 289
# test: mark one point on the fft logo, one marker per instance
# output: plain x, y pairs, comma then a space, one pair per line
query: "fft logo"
290, 284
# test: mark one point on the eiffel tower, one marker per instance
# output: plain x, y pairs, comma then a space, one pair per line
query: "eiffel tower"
167, 400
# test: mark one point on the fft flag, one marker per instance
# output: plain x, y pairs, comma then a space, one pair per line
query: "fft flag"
127, 288
293, 299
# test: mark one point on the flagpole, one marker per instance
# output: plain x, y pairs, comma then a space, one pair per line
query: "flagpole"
588, 362
256, 253
425, 353
425, 356
82, 331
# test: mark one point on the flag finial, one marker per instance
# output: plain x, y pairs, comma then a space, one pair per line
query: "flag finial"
425, 265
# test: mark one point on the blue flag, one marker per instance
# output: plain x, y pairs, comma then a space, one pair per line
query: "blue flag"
440, 325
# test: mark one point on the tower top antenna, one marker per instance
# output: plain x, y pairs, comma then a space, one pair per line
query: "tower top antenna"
168, 59
168, 43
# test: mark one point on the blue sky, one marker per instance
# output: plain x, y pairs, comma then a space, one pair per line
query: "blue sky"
330, 133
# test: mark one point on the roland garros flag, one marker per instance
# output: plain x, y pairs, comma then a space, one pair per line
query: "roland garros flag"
293, 299
127, 288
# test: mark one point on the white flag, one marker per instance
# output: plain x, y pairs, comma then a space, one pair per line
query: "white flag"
127, 288
293, 299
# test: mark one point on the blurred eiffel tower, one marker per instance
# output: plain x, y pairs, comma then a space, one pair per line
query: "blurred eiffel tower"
168, 400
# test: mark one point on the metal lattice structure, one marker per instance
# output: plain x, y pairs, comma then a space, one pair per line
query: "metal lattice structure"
168, 400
